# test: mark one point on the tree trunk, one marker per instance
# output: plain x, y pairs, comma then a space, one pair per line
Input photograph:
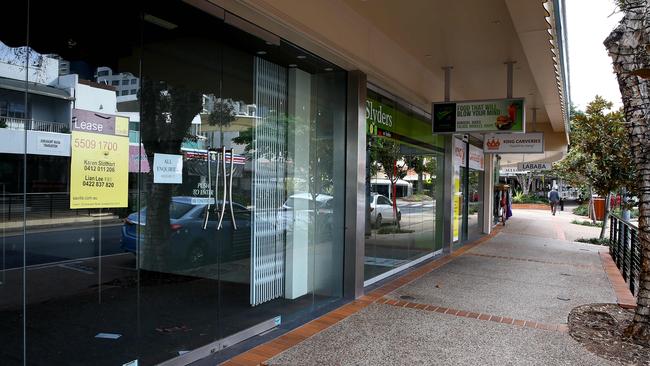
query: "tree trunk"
603, 228
592, 211
420, 182
627, 46
154, 254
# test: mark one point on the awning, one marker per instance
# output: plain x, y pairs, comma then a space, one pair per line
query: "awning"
34, 88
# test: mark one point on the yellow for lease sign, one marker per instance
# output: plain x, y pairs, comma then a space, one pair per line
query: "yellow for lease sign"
99, 171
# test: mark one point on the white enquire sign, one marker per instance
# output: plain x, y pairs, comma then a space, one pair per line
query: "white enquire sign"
534, 166
516, 143
167, 169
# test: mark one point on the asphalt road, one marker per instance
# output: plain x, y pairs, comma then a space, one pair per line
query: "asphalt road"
55, 245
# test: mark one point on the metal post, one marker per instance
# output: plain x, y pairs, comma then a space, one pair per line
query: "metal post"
355, 186
632, 256
625, 253
448, 184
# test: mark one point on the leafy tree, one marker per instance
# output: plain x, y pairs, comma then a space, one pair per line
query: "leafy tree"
386, 154
600, 152
627, 45
525, 181
222, 115
167, 113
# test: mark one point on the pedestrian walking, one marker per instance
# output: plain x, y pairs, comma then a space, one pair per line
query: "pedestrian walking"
554, 199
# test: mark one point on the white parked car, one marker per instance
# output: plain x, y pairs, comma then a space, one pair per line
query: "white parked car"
381, 210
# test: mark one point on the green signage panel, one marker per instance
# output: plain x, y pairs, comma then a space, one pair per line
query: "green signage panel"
479, 116
386, 121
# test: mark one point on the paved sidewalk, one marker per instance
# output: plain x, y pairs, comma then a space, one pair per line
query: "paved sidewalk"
504, 302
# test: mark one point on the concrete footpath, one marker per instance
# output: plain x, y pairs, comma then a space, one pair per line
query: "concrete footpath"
503, 302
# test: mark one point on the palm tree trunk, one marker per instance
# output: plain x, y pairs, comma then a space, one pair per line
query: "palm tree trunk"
627, 46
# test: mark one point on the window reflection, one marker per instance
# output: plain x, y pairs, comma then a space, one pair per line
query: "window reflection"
403, 190
186, 263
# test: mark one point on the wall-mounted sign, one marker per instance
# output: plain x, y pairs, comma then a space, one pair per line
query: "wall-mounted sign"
510, 171
167, 169
476, 158
534, 166
93, 122
386, 121
46, 143
459, 153
99, 163
479, 116
504, 143
99, 170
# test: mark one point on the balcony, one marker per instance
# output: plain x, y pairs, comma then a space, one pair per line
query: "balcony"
14, 123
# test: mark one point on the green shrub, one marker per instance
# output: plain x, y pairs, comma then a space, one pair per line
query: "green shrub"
587, 223
416, 198
582, 210
597, 241
519, 197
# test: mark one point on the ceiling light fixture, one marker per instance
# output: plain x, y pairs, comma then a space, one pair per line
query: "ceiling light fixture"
301, 57
261, 52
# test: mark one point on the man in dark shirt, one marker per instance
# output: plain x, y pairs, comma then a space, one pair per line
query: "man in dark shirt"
554, 199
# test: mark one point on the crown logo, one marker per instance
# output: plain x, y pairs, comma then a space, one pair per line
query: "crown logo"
493, 144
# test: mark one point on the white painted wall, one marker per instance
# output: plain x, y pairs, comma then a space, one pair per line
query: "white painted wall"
95, 99
38, 142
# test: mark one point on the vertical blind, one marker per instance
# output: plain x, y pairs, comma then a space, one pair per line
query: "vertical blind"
269, 155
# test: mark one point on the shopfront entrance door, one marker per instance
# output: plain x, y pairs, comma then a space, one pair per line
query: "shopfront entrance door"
169, 184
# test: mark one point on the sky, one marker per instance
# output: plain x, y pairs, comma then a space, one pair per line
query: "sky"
589, 22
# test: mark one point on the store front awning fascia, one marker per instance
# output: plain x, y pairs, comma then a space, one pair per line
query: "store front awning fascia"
541, 31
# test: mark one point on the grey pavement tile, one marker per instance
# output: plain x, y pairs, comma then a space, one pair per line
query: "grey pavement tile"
387, 335
504, 297
544, 249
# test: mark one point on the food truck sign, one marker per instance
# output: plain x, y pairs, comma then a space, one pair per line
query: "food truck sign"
479, 116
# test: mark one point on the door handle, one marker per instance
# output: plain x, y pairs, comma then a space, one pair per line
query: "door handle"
223, 203
232, 170
212, 155
207, 210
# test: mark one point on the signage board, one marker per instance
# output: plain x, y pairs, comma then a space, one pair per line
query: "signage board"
504, 143
386, 121
459, 153
48, 143
476, 158
167, 169
99, 162
99, 170
479, 116
535, 166
93, 122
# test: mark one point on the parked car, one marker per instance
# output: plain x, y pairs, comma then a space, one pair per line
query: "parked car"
191, 245
381, 210
300, 208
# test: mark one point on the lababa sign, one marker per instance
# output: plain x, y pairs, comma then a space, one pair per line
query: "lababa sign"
534, 166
